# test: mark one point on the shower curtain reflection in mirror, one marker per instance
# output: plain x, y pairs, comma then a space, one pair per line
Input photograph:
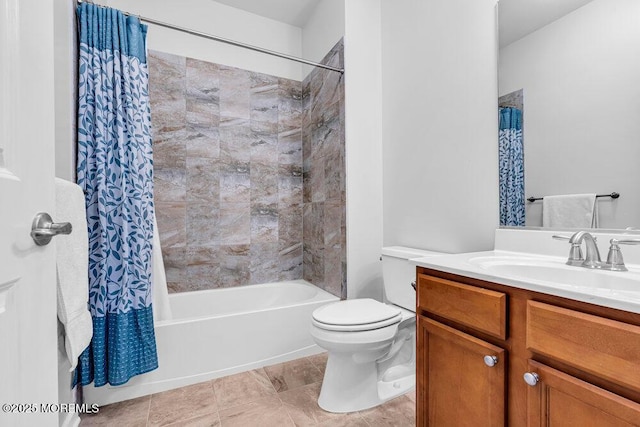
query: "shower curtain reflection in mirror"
511, 167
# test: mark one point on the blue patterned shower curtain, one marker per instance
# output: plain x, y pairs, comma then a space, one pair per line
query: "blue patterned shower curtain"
115, 169
511, 166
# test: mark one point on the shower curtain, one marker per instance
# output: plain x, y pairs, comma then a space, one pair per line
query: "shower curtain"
511, 166
115, 170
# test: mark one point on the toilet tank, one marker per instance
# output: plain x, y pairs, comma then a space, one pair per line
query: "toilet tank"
398, 273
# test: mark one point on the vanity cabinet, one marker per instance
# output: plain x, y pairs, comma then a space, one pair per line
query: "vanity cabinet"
456, 374
477, 340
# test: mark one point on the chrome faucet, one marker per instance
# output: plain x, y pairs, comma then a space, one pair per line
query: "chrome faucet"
592, 258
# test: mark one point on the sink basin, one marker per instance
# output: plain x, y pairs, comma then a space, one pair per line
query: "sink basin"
556, 273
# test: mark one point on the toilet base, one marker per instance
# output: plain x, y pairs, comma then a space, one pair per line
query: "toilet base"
389, 389
350, 387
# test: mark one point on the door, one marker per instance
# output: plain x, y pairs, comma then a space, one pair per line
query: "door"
461, 379
558, 399
28, 340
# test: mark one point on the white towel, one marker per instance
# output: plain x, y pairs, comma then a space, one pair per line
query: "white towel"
570, 211
159, 291
72, 262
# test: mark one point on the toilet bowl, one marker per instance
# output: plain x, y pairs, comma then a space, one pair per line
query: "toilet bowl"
371, 344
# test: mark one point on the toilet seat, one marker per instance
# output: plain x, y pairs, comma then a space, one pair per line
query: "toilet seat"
355, 315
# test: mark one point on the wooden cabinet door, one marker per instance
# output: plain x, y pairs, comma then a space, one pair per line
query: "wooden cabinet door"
455, 386
559, 399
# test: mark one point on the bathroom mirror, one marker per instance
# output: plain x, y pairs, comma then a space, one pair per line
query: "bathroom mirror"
573, 66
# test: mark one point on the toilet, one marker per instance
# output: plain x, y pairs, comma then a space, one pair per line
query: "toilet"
371, 344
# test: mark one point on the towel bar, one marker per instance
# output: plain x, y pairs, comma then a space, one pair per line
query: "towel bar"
613, 195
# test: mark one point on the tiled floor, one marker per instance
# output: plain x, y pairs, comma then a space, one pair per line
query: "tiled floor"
274, 396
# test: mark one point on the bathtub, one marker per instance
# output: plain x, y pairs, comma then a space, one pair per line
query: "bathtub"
225, 331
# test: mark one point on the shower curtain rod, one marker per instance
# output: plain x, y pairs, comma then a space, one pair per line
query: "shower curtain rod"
231, 42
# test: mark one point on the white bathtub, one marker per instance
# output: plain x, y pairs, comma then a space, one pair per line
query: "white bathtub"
224, 331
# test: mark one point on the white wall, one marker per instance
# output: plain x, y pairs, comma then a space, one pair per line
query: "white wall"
224, 21
363, 148
322, 31
581, 107
439, 124
65, 86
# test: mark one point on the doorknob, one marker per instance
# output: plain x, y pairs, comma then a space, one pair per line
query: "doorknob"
43, 228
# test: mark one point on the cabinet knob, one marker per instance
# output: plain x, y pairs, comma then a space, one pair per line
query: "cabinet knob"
490, 361
531, 378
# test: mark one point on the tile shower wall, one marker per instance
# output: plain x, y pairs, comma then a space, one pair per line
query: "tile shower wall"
228, 173
241, 161
323, 144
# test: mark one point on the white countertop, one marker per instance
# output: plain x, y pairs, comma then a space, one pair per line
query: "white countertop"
507, 267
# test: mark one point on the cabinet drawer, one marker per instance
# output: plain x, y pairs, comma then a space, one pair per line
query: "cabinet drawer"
478, 308
603, 347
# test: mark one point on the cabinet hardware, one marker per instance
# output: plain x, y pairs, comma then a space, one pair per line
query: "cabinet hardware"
531, 378
490, 361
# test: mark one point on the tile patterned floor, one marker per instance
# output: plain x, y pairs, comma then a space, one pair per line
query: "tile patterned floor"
275, 396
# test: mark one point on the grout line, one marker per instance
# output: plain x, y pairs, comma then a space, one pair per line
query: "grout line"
286, 409
364, 419
149, 410
215, 396
293, 423
315, 364
269, 379
319, 370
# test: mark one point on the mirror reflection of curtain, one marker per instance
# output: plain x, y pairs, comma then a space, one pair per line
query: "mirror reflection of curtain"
511, 166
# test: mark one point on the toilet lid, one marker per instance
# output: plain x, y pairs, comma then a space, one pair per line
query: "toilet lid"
361, 314
358, 328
